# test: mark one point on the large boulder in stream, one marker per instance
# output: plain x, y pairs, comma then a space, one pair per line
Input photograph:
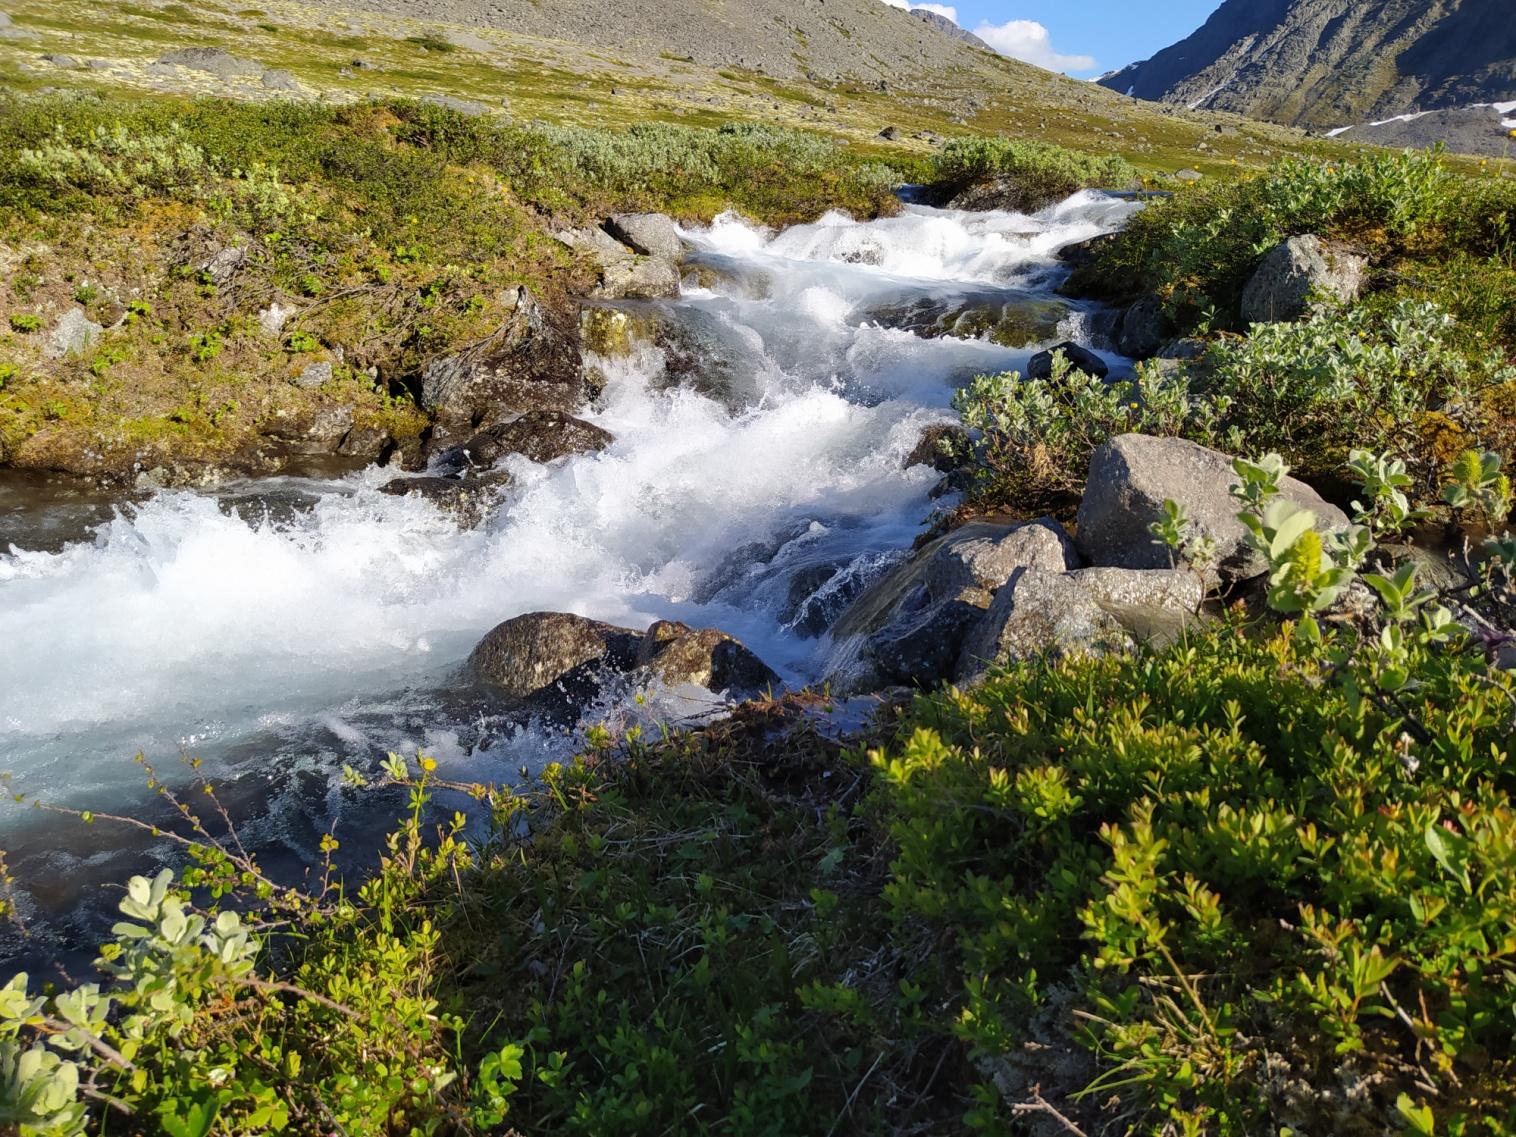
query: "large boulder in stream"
675, 654
538, 436
1008, 317
467, 500
557, 662
1132, 475
531, 363
910, 627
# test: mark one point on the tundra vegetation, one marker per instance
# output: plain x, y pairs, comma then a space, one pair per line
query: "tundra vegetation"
1263, 878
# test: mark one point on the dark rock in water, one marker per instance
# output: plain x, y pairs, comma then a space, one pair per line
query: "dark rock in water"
1144, 328
674, 654
1132, 475
468, 500
1008, 317
944, 446
559, 662
364, 442
1009, 194
539, 436
1080, 359
531, 363
650, 234
319, 430
542, 652
1295, 270
1082, 253
910, 627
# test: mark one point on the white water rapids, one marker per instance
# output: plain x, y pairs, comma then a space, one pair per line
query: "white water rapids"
332, 632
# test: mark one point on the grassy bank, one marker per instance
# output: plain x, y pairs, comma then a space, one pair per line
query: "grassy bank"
385, 234
1209, 890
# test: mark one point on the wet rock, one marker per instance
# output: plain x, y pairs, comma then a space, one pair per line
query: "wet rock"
364, 442
1084, 253
72, 334
539, 436
531, 363
315, 375
313, 432
674, 654
1039, 613
1010, 195
944, 446
623, 274
468, 501
1080, 359
1132, 475
1003, 316
650, 234
1295, 270
552, 654
1143, 329
910, 627
560, 662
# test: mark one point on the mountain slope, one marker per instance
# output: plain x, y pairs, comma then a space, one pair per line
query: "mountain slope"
1328, 63
787, 38
879, 77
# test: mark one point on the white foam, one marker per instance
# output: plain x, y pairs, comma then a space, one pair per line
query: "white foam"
183, 625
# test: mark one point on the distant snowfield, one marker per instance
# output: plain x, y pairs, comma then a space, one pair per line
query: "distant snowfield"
1499, 108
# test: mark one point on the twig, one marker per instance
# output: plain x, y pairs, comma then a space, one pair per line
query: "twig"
1039, 1104
852, 1097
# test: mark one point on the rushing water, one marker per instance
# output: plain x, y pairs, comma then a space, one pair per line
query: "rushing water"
277, 630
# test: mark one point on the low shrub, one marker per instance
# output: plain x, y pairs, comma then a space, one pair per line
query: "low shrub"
1197, 250
1040, 171
1392, 377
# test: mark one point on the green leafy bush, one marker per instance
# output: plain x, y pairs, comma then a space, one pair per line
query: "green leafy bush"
1040, 171
1380, 377
1256, 890
1365, 377
1197, 250
25, 322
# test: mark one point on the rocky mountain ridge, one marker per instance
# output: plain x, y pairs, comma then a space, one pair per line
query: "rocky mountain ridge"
1335, 63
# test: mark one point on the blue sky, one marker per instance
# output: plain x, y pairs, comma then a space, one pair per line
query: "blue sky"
1082, 37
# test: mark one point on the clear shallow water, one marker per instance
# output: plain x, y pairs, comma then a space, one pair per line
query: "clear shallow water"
280, 629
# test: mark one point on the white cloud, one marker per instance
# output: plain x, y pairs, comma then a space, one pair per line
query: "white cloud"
1030, 42
1026, 40
941, 9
